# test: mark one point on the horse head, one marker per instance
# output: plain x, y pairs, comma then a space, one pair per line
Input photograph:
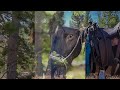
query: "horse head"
65, 46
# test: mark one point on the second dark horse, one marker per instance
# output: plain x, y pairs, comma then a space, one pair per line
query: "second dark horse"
102, 56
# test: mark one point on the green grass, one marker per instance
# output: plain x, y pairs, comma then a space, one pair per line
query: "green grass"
81, 57
45, 58
77, 70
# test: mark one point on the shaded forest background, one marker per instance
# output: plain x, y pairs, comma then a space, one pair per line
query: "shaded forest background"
25, 39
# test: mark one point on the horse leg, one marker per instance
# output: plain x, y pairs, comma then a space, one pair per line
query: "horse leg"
66, 69
113, 69
91, 67
108, 71
64, 72
58, 71
97, 71
53, 69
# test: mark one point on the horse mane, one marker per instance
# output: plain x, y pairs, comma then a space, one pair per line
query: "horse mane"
70, 28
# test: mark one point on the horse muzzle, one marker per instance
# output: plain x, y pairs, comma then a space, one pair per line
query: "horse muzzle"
57, 58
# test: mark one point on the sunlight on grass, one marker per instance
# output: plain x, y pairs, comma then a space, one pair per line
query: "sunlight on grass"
76, 73
45, 58
81, 57
77, 70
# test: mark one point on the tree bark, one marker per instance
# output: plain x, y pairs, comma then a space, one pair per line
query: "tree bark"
38, 43
12, 50
12, 56
39, 68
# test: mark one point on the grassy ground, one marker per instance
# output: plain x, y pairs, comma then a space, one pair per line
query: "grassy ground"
77, 70
111, 77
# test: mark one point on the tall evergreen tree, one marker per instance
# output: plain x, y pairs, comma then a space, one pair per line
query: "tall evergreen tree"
15, 26
56, 20
79, 19
87, 18
108, 19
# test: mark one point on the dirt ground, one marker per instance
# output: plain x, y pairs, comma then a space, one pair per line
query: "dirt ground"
95, 77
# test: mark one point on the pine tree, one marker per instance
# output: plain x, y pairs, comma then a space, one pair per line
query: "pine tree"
79, 18
108, 19
16, 27
87, 18
56, 20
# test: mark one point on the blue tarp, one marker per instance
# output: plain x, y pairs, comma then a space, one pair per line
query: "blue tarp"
87, 55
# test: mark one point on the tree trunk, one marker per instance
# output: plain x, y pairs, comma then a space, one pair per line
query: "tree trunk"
12, 56
39, 68
12, 50
38, 43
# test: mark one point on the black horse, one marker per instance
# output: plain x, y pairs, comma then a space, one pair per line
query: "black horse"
102, 53
66, 45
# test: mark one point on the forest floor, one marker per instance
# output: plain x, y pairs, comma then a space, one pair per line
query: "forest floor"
91, 76
77, 71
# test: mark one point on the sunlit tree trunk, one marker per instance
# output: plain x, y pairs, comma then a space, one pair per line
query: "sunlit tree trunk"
38, 43
39, 68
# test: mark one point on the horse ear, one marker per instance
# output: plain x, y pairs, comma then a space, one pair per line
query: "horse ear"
53, 30
57, 28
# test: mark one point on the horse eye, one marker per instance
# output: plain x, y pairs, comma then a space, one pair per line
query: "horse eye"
70, 36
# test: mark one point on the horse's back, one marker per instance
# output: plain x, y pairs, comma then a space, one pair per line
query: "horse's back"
106, 52
101, 32
105, 47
